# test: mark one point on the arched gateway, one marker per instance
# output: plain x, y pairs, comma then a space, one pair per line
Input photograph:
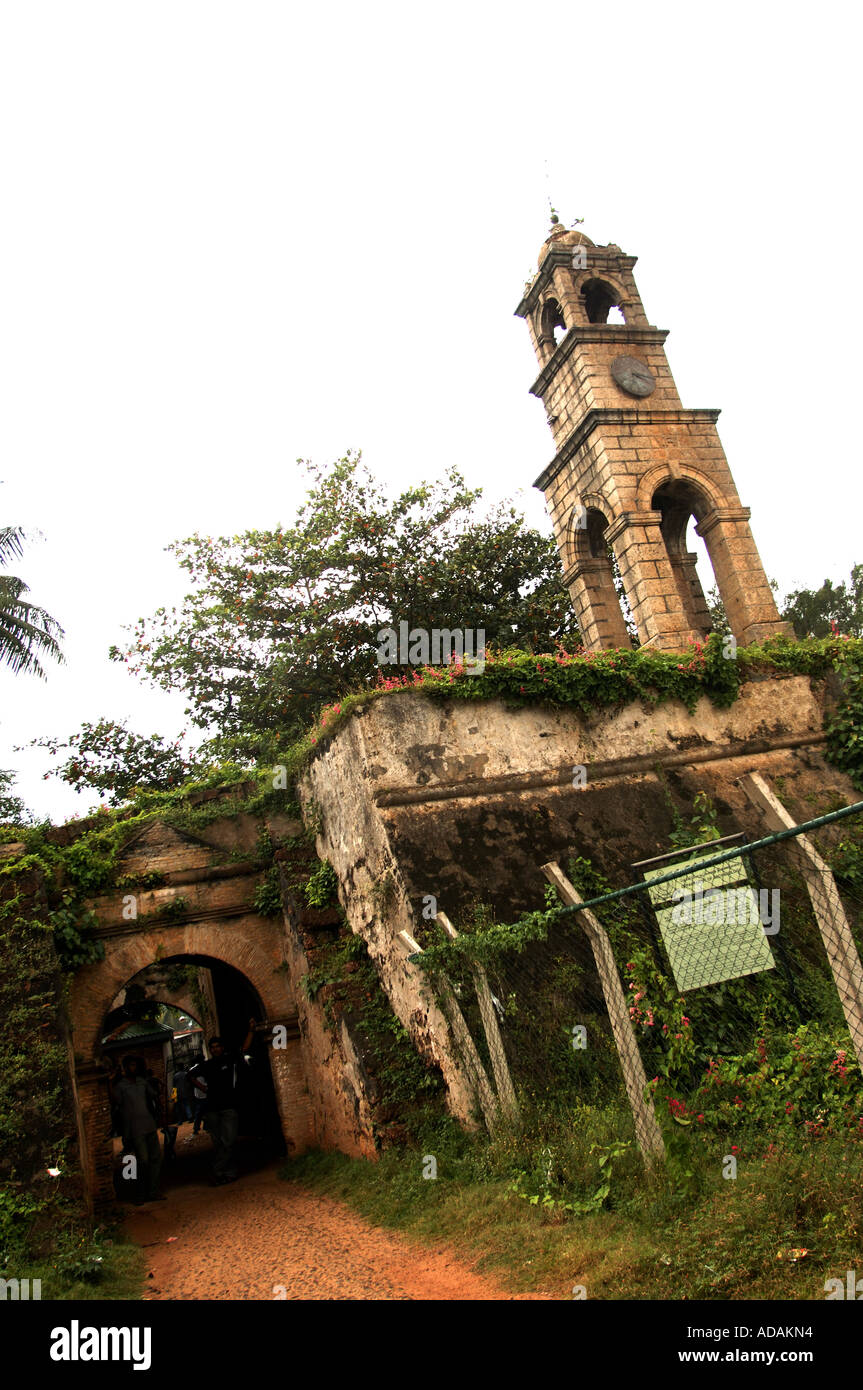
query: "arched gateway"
202, 913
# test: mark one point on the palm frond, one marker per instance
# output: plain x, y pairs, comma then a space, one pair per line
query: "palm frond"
11, 543
27, 632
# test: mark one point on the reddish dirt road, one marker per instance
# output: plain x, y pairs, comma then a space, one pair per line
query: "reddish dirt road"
263, 1238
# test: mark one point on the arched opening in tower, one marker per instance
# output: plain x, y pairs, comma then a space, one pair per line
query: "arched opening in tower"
683, 505
602, 302
604, 613
160, 1028
552, 325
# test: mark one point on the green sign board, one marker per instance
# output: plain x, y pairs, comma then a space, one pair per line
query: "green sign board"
710, 923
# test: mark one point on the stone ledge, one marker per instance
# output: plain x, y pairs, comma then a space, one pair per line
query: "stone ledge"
141, 925
611, 770
619, 415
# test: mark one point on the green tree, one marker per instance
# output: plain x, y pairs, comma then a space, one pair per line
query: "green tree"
108, 758
26, 632
718, 616
12, 808
832, 608
280, 622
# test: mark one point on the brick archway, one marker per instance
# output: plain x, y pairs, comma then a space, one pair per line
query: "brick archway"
249, 944
253, 947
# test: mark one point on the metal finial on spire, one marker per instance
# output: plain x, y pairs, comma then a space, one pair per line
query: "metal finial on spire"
555, 220
557, 226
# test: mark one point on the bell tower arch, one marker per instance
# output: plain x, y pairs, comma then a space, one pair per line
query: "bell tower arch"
622, 434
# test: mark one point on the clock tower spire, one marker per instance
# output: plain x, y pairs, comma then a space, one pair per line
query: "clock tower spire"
632, 466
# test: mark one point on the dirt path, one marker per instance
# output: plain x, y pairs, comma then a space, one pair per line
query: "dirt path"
251, 1238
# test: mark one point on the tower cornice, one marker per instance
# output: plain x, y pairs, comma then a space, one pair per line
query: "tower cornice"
593, 333
629, 415
610, 258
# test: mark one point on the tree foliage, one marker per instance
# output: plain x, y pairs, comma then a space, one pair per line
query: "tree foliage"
834, 608
280, 622
12, 808
109, 758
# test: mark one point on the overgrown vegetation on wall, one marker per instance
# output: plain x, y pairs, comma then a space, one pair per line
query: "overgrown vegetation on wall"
405, 1091
750, 1070
775, 1036
82, 859
591, 681
36, 1120
44, 1231
403, 1087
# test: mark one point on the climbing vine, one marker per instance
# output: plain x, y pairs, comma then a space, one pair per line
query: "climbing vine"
844, 728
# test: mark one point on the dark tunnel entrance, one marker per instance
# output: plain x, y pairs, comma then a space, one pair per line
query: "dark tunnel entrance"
169, 1030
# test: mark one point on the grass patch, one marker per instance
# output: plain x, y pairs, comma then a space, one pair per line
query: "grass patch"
790, 1219
75, 1263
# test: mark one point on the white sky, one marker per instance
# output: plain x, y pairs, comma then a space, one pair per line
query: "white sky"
235, 235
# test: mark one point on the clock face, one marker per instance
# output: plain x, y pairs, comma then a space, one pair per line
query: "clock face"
632, 376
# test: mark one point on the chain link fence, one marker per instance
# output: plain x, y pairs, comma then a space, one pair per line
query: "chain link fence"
721, 988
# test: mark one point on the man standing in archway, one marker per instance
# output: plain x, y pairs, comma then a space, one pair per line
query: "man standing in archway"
137, 1118
218, 1080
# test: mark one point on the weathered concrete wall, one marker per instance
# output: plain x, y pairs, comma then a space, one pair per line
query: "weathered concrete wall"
340, 1115
356, 840
466, 801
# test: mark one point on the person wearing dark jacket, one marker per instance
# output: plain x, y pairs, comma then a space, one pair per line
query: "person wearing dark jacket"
137, 1120
199, 1104
183, 1107
219, 1080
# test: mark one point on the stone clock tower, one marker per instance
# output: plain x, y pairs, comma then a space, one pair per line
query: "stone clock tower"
632, 465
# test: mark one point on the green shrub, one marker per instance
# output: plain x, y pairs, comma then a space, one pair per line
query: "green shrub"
268, 894
320, 888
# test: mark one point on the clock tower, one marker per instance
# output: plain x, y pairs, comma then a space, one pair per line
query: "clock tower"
632, 466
